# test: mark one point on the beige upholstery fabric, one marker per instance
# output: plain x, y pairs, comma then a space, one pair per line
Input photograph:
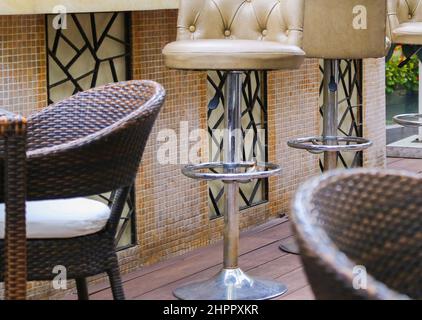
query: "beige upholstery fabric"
333, 29
405, 21
232, 55
237, 35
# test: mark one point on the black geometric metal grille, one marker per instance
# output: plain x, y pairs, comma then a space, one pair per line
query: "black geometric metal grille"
88, 38
93, 50
254, 130
350, 108
126, 233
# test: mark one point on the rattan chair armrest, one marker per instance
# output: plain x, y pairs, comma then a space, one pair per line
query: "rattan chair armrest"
11, 123
13, 129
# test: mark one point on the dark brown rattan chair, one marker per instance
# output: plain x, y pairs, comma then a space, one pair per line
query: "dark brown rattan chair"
369, 218
88, 144
13, 130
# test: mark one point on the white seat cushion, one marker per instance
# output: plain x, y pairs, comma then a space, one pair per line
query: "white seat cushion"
62, 219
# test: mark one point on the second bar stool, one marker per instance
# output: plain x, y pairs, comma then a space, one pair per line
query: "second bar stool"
235, 36
335, 30
405, 28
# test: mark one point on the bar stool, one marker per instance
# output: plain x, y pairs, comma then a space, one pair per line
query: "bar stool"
335, 30
405, 28
235, 36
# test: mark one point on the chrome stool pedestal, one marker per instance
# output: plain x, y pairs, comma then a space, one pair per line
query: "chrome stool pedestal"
410, 120
232, 283
329, 144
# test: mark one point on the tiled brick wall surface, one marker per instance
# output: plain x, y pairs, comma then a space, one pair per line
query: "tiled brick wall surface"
374, 105
23, 86
172, 210
23, 72
293, 98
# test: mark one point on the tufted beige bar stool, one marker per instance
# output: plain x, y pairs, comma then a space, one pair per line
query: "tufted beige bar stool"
335, 30
235, 36
404, 21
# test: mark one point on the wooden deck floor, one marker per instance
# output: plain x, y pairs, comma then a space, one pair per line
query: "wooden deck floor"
413, 165
260, 256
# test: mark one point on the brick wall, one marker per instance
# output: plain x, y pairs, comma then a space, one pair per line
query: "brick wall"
294, 112
23, 85
171, 209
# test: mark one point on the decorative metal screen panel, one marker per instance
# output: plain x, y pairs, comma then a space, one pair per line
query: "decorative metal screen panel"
254, 130
350, 108
93, 49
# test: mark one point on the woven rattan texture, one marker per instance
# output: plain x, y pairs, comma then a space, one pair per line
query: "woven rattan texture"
90, 143
85, 145
372, 219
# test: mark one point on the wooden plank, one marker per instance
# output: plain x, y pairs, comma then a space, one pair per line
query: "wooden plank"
302, 294
276, 223
269, 262
413, 165
294, 281
199, 261
393, 160
137, 288
278, 267
249, 240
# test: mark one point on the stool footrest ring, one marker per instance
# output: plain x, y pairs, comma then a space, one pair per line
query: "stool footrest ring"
409, 120
330, 144
241, 172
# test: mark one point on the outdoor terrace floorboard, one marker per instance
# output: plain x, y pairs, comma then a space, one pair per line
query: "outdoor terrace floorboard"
259, 256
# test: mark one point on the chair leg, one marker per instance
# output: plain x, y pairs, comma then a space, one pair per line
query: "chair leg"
82, 288
116, 283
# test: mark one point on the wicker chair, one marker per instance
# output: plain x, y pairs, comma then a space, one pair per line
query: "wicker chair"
369, 218
88, 144
13, 131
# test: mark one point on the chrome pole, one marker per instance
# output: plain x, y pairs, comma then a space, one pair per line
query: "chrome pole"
232, 143
232, 283
330, 124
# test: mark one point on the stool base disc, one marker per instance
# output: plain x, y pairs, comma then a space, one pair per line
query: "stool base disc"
290, 246
231, 284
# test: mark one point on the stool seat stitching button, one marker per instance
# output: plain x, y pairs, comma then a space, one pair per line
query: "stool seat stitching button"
227, 33
192, 28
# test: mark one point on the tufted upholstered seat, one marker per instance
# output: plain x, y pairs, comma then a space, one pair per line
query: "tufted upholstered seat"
405, 21
237, 35
345, 29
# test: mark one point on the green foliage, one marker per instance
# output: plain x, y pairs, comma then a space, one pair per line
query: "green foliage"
405, 78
